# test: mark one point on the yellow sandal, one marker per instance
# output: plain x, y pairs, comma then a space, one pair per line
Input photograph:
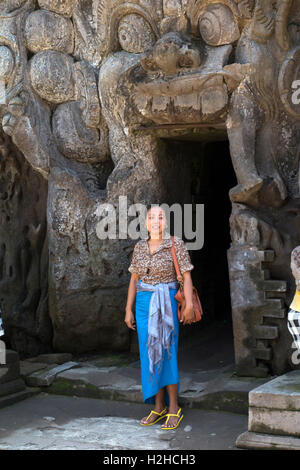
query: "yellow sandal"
161, 415
178, 415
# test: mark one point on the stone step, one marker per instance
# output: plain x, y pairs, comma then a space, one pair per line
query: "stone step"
265, 332
221, 390
274, 414
13, 386
11, 357
19, 396
282, 393
253, 440
274, 286
9, 372
44, 378
263, 353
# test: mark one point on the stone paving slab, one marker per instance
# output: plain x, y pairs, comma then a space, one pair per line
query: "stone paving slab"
54, 422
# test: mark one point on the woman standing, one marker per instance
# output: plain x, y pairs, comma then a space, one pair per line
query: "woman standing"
153, 285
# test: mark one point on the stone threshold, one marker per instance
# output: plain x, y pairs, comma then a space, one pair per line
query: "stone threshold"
111, 379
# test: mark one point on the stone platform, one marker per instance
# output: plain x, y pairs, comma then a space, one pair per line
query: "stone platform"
206, 365
208, 380
274, 415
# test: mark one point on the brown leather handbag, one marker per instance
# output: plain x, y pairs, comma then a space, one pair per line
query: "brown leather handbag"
179, 296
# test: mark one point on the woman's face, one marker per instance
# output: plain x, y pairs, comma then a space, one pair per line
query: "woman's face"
156, 221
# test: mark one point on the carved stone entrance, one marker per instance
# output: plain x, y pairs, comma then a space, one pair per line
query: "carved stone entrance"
87, 113
207, 174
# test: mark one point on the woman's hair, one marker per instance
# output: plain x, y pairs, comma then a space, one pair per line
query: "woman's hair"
295, 257
153, 206
149, 206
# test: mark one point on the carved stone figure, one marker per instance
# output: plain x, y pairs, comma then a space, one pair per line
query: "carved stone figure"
255, 112
93, 88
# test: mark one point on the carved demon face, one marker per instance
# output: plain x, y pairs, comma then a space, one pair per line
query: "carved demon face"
158, 61
178, 52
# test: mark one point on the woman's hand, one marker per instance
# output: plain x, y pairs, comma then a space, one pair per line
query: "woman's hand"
130, 320
129, 317
188, 315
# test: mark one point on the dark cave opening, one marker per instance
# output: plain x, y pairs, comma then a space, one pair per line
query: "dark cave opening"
201, 172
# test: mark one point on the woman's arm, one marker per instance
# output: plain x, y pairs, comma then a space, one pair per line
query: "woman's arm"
188, 313
185, 266
129, 316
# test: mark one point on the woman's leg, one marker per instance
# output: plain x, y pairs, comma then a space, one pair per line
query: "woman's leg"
173, 387
159, 406
141, 313
173, 408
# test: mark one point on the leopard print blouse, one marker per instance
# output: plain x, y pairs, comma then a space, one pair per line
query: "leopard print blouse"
158, 266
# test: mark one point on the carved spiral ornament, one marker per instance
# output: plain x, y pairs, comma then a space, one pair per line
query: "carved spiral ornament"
217, 25
135, 34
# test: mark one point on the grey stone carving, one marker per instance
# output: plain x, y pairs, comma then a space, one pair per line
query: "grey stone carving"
45, 30
91, 88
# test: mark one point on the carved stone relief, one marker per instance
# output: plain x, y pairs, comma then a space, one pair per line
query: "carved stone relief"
91, 89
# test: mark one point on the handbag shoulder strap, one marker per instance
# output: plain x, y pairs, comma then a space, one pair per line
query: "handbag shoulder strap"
175, 258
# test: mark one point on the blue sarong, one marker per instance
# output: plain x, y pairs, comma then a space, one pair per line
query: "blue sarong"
166, 373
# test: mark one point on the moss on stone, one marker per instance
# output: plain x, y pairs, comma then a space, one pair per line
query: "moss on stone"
78, 388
